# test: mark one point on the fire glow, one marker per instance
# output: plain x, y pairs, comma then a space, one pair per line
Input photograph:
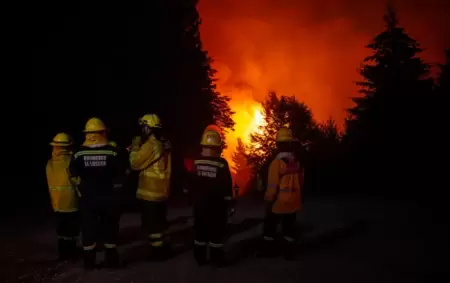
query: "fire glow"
248, 117
310, 49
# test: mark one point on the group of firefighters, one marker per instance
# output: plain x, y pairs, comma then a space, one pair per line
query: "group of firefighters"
85, 184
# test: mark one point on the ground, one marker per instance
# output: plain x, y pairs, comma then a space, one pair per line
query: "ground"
343, 239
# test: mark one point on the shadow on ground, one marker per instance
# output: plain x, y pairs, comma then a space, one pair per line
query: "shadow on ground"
252, 247
181, 240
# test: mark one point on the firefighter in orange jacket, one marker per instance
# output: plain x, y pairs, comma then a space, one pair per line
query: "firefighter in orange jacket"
283, 195
63, 196
210, 186
152, 157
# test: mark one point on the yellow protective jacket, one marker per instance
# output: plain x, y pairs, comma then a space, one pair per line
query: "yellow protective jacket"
153, 159
283, 186
62, 192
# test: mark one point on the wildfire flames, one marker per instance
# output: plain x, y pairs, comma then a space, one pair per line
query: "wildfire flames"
310, 49
248, 118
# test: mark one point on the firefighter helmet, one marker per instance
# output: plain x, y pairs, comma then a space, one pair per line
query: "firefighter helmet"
151, 120
94, 125
211, 138
214, 128
284, 135
61, 139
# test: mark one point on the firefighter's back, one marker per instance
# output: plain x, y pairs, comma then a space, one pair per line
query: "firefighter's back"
98, 169
211, 184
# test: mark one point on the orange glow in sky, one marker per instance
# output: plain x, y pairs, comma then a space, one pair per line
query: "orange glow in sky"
248, 117
310, 49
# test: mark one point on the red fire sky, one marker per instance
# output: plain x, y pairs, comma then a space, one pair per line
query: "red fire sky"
310, 48
307, 48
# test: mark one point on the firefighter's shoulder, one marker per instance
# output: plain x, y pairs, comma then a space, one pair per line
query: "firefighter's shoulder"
217, 162
103, 150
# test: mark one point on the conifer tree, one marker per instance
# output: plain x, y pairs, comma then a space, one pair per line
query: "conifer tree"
285, 111
382, 128
241, 168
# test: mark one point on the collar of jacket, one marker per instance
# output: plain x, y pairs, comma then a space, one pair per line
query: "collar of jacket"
288, 155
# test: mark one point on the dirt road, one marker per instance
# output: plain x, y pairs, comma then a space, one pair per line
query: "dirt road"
343, 240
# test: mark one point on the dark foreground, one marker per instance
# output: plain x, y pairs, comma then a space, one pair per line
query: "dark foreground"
343, 240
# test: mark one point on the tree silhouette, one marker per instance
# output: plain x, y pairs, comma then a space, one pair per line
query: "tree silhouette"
242, 171
382, 126
438, 132
198, 101
330, 130
323, 159
443, 81
279, 112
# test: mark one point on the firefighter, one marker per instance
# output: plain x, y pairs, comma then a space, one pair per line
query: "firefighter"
151, 155
63, 196
283, 196
210, 187
100, 169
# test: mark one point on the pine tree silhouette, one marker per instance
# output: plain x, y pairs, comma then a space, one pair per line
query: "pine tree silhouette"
382, 126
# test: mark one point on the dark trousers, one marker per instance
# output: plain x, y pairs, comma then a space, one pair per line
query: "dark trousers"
100, 221
271, 222
210, 226
154, 221
67, 225
67, 229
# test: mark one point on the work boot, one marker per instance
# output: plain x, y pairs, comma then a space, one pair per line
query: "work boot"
89, 258
71, 249
112, 258
200, 255
62, 249
218, 257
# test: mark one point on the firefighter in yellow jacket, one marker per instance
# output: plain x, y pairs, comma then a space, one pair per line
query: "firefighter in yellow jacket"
151, 155
63, 196
283, 195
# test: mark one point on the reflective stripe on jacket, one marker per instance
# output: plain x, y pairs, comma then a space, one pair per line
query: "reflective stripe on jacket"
153, 160
283, 188
62, 192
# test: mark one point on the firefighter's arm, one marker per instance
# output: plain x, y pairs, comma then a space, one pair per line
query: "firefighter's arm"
227, 183
47, 171
146, 155
301, 177
120, 166
47, 174
273, 181
74, 178
73, 167
228, 189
